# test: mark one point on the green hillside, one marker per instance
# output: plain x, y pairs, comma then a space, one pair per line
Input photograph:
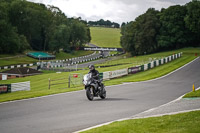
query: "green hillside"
105, 37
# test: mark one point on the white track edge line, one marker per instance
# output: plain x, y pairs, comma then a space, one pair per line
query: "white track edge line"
40, 97
133, 117
107, 123
172, 113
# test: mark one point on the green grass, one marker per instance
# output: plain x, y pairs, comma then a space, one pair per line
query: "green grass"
39, 83
63, 55
7, 55
39, 86
138, 60
192, 94
105, 37
26, 60
179, 123
17, 60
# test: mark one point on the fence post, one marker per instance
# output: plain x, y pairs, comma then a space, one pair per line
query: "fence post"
76, 66
49, 83
69, 82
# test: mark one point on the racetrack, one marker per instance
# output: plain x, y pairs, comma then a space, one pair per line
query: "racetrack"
70, 112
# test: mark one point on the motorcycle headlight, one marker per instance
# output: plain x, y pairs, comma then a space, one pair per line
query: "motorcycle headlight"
86, 82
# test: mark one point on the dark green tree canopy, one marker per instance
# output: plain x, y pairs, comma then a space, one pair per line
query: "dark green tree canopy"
104, 23
25, 25
171, 28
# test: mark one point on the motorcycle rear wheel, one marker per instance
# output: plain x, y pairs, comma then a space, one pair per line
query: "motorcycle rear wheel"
103, 94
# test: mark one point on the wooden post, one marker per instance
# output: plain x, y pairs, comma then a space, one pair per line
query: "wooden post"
69, 82
49, 83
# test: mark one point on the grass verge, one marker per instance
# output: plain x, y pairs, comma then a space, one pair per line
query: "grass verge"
192, 94
39, 83
179, 123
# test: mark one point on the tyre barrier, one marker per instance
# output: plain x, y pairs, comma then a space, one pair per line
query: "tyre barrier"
132, 70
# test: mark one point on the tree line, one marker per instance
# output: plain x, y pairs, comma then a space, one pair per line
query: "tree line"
171, 28
26, 25
104, 23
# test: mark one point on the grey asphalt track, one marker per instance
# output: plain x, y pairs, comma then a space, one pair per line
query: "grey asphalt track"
71, 112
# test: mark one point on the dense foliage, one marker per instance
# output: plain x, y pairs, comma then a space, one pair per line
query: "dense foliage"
26, 25
104, 23
171, 28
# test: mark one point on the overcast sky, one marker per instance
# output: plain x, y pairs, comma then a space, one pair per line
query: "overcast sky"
114, 10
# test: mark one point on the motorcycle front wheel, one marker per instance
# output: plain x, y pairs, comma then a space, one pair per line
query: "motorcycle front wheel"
89, 93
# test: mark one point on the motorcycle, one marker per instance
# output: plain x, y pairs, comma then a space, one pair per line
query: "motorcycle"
93, 89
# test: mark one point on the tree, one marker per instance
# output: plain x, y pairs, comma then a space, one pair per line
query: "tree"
123, 24
147, 29
104, 23
80, 34
139, 37
10, 40
60, 38
25, 24
127, 39
192, 20
173, 33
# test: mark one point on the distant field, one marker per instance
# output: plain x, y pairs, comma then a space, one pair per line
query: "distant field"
105, 37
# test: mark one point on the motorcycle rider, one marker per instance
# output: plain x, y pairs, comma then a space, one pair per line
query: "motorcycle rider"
95, 74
